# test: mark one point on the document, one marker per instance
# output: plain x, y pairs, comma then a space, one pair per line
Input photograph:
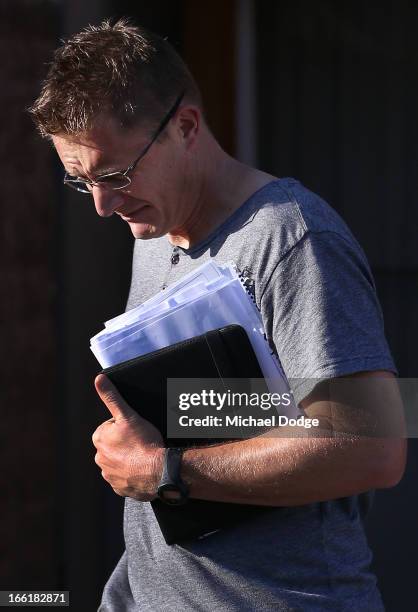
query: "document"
208, 298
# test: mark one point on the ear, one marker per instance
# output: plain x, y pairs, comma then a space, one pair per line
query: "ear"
188, 124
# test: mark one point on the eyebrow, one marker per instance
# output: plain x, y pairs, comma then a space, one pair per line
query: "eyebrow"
101, 171
106, 170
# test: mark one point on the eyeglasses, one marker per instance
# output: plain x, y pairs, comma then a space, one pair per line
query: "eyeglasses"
120, 180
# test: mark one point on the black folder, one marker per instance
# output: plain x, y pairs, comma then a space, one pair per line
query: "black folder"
224, 353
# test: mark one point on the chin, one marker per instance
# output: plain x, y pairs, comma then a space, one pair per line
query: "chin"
144, 231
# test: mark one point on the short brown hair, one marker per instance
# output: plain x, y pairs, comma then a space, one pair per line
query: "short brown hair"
118, 69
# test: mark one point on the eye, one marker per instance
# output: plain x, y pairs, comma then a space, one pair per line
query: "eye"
117, 180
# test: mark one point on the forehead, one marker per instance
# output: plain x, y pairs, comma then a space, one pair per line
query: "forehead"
104, 148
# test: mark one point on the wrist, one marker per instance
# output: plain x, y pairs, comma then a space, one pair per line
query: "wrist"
172, 489
157, 469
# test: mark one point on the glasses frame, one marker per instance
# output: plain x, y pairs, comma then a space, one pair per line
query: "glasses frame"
74, 182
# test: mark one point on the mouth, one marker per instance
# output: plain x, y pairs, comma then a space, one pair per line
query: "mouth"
130, 217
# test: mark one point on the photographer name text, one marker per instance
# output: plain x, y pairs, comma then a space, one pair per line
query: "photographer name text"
249, 421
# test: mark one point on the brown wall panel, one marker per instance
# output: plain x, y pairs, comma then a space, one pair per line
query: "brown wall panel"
209, 50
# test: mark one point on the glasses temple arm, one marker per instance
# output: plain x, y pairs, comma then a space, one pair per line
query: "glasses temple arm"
161, 127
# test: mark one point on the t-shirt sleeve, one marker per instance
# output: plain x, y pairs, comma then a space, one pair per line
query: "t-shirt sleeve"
321, 312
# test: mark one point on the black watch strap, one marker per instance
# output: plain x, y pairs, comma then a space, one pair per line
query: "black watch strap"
172, 490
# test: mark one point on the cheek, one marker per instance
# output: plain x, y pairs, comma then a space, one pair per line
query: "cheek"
171, 168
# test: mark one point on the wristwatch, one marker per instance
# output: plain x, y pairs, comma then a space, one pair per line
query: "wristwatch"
172, 490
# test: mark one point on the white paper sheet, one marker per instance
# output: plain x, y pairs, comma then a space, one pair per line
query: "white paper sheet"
210, 297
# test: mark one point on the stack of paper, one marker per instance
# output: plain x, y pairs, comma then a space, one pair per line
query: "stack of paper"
208, 298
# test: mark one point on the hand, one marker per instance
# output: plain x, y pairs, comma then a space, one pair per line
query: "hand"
129, 448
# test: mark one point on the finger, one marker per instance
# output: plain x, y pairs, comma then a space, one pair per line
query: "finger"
96, 436
111, 397
119, 492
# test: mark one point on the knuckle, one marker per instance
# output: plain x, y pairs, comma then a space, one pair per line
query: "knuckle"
119, 492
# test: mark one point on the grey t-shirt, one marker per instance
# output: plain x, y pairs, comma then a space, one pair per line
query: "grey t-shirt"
312, 284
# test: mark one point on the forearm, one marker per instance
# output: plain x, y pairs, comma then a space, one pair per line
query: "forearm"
265, 470
287, 471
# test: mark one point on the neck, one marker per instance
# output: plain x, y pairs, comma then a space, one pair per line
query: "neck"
225, 184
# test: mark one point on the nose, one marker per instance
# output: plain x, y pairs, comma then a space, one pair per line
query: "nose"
106, 201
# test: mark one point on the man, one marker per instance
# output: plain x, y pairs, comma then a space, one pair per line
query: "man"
126, 119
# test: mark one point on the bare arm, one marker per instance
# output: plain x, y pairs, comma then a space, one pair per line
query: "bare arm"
349, 455
346, 458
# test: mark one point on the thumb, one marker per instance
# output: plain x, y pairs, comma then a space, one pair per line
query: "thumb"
111, 397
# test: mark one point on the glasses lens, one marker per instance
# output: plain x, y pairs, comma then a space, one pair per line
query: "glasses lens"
78, 185
116, 180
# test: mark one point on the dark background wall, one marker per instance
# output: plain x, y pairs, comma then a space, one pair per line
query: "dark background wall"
336, 99
28, 354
